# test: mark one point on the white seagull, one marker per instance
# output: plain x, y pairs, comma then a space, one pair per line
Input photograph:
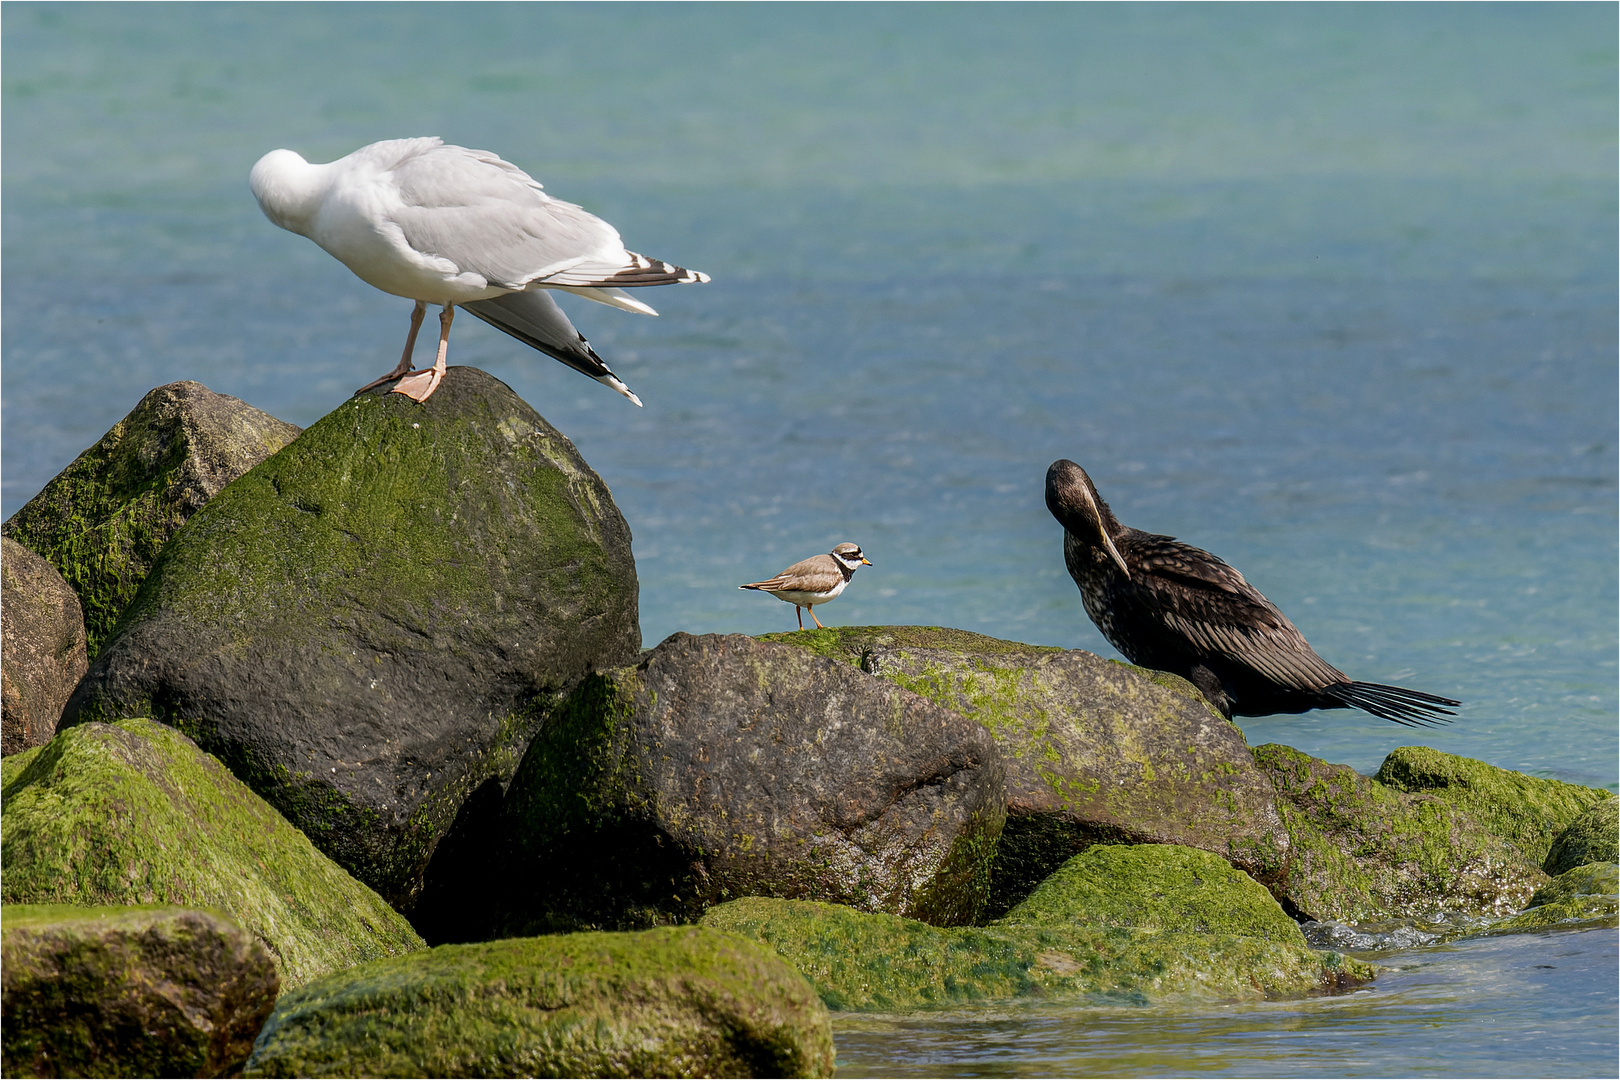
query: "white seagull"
447, 225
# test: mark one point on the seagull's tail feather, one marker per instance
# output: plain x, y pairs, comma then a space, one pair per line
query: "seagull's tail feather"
1411, 707
534, 318
611, 297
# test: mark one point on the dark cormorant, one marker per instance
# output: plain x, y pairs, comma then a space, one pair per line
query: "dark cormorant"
1172, 607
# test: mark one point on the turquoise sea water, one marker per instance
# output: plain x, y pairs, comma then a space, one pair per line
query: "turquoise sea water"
1326, 289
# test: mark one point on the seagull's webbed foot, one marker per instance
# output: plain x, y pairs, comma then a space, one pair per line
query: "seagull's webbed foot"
419, 385
404, 364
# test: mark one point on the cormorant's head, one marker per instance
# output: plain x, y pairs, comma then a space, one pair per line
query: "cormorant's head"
1073, 500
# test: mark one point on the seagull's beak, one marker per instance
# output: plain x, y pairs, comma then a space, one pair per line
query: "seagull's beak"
1114, 551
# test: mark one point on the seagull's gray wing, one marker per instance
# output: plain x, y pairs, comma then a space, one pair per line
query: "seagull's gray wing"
491, 218
534, 318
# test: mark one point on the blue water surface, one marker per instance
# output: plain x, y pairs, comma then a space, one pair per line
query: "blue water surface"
1329, 290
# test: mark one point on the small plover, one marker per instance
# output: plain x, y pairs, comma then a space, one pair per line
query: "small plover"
815, 580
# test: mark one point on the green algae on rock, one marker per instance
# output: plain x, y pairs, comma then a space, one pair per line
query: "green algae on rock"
134, 813
103, 520
42, 647
1592, 837
368, 626
675, 1001
721, 766
860, 961
1527, 811
1097, 751
1363, 851
129, 991
1155, 887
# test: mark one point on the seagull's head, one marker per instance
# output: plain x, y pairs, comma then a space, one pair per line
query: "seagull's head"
1073, 500
288, 188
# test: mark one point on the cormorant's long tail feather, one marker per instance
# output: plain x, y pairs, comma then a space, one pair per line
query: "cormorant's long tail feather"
534, 318
1410, 707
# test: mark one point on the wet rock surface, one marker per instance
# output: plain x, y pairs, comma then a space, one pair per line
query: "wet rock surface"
684, 1001
1155, 887
859, 961
129, 992
102, 521
42, 647
364, 627
134, 813
721, 767
1528, 812
1096, 751
1592, 837
1364, 851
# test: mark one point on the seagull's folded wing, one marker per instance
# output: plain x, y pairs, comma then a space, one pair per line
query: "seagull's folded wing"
490, 218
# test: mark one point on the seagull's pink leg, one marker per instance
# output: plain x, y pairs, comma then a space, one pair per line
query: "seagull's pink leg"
419, 386
410, 347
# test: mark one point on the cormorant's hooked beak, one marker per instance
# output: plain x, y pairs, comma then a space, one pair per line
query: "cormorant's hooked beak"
1113, 551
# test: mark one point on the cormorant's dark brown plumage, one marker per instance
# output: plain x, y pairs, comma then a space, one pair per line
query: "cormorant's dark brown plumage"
1172, 607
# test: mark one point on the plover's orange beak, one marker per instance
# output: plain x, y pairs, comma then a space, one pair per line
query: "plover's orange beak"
866, 561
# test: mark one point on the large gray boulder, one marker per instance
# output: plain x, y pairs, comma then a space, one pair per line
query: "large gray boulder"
130, 991
1096, 751
722, 767
42, 648
367, 626
102, 521
676, 1001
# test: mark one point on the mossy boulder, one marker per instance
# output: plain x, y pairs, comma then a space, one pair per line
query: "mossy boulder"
102, 521
365, 628
1592, 837
859, 961
1588, 894
721, 767
1156, 887
1363, 850
1527, 811
684, 1001
42, 647
129, 991
134, 814
1097, 751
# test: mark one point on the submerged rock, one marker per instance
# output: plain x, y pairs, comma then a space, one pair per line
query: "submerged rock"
42, 647
1527, 811
1096, 751
1365, 851
684, 1001
102, 521
721, 767
1588, 894
130, 992
860, 961
134, 813
1592, 837
361, 627
1155, 887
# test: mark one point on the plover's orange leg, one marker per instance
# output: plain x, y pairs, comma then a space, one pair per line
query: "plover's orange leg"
816, 620
420, 385
410, 347
799, 611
